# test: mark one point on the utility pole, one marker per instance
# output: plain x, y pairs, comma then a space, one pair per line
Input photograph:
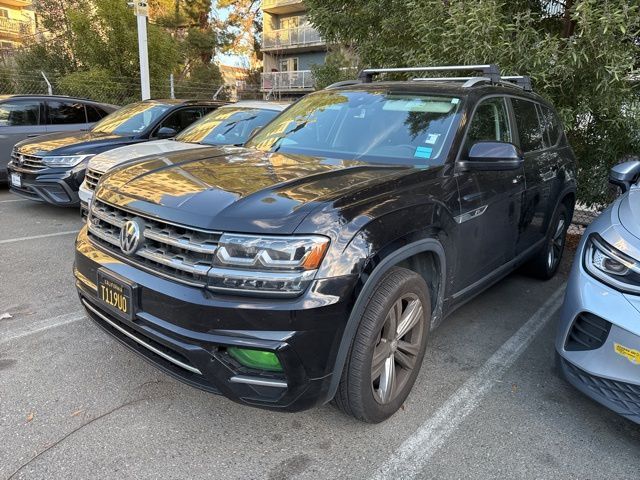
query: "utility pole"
141, 11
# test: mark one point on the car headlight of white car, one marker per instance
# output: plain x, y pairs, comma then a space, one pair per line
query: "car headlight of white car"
613, 267
65, 160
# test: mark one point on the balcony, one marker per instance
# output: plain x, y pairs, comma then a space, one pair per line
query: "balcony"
14, 29
300, 38
280, 7
296, 81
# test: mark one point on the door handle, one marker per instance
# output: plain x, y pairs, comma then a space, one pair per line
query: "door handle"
34, 135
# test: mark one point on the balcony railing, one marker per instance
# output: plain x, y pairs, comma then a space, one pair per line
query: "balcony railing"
283, 81
291, 37
15, 27
266, 4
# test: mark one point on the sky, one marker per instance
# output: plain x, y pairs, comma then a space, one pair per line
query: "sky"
225, 59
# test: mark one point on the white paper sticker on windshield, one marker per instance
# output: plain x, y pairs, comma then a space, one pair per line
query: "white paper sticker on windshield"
432, 138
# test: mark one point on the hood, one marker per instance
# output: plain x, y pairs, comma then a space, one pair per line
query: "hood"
629, 211
237, 189
109, 159
71, 143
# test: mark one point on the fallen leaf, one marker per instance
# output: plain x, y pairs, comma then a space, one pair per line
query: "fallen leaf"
5, 316
30, 416
77, 412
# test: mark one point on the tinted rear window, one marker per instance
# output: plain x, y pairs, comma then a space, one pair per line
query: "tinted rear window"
94, 113
550, 126
64, 113
528, 124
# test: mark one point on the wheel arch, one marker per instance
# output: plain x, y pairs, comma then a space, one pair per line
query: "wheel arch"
425, 257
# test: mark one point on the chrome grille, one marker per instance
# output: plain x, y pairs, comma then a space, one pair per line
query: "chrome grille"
31, 163
91, 178
172, 251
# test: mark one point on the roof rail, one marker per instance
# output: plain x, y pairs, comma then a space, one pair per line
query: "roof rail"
344, 83
491, 71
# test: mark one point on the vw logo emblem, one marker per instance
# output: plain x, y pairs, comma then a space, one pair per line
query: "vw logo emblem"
130, 237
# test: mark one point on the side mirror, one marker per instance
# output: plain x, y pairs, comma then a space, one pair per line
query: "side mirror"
492, 156
625, 174
166, 132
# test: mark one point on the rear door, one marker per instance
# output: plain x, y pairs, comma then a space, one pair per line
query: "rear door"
19, 119
490, 201
540, 170
66, 116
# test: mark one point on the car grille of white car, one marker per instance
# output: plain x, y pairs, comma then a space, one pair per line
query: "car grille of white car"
172, 251
31, 163
91, 178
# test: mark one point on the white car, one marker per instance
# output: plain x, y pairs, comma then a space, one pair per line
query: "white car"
228, 125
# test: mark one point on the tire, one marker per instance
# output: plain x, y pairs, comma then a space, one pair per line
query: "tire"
366, 395
545, 263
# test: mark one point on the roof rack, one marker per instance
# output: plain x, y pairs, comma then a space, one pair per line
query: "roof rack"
490, 70
490, 74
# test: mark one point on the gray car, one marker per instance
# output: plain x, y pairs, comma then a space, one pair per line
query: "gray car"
24, 116
598, 341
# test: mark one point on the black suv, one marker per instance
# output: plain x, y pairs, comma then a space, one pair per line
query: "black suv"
313, 264
51, 168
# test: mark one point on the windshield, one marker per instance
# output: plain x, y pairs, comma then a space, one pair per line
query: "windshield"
227, 126
132, 119
371, 126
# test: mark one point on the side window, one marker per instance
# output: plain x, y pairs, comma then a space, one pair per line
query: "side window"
182, 118
65, 113
490, 122
19, 113
550, 126
529, 127
94, 113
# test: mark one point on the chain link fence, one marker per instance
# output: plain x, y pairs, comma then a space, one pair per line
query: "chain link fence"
122, 90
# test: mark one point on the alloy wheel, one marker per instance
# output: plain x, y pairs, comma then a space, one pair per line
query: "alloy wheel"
396, 352
557, 244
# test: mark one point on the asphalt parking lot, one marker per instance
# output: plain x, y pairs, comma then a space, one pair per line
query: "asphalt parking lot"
76, 404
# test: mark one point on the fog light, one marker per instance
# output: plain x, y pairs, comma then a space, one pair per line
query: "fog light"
259, 359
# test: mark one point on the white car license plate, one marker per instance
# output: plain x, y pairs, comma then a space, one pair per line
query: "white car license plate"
16, 181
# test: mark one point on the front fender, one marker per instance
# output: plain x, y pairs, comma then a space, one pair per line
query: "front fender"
366, 286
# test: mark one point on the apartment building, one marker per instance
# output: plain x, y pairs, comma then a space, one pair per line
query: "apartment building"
17, 23
290, 46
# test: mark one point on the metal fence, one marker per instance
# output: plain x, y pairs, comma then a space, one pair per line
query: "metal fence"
122, 90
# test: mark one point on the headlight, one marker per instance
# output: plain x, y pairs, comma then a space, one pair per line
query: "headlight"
65, 160
611, 266
273, 265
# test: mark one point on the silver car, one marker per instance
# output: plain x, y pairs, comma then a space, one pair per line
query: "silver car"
598, 341
26, 116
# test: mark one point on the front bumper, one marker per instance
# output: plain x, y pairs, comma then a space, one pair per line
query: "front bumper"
602, 373
52, 185
186, 330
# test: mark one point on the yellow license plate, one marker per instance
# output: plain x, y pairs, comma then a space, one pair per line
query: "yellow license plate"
115, 294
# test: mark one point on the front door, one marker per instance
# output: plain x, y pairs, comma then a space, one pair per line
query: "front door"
490, 202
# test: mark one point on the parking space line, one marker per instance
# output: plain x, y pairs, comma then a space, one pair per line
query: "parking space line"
13, 200
414, 453
35, 237
41, 326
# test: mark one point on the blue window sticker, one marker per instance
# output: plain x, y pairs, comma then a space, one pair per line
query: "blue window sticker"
423, 152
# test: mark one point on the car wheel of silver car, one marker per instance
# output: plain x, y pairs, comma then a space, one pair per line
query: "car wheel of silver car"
388, 348
546, 262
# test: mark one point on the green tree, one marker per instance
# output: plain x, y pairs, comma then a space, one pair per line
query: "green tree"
580, 54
